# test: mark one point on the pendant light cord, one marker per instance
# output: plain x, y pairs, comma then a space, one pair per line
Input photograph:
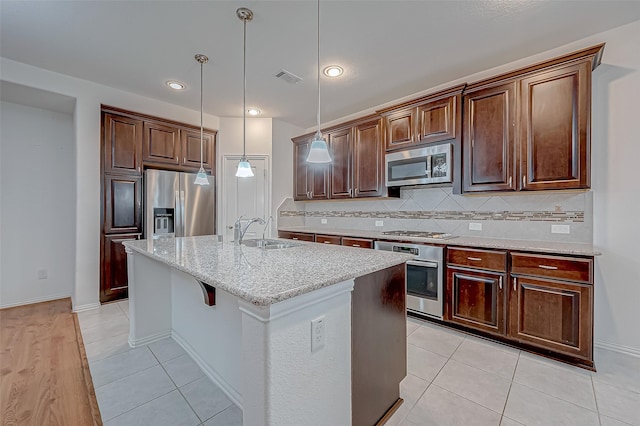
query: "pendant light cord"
244, 91
201, 121
319, 133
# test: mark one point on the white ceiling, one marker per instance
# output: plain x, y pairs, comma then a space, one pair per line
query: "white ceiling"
389, 49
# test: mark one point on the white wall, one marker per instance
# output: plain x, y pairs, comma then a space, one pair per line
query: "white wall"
37, 219
89, 96
282, 164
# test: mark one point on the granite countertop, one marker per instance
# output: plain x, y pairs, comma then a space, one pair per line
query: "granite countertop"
552, 247
264, 277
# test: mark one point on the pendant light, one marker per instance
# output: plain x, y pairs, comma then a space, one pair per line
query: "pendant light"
201, 177
244, 168
318, 152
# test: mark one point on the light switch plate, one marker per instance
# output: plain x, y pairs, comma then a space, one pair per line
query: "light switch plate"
473, 226
379, 223
323, 221
560, 229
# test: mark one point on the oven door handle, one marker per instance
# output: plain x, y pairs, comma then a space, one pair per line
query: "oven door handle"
422, 263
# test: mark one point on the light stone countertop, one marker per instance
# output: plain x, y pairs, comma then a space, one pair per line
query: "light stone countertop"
264, 277
551, 247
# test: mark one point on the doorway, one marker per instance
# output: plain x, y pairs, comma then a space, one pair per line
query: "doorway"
247, 197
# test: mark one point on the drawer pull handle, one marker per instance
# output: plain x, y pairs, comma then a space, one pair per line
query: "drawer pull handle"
356, 245
327, 242
553, 268
294, 238
514, 284
500, 283
474, 258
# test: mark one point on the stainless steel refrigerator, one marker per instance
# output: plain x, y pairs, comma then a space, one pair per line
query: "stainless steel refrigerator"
177, 207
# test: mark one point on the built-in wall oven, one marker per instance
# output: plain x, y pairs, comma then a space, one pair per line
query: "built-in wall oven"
424, 276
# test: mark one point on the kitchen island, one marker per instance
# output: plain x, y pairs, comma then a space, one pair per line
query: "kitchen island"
304, 335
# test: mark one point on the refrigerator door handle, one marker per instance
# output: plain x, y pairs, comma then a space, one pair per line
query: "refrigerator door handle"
177, 223
182, 224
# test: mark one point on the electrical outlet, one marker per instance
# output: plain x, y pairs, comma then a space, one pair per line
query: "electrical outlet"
317, 334
379, 223
473, 226
560, 229
42, 274
323, 221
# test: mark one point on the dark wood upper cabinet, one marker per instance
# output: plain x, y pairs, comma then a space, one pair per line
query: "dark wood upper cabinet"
368, 160
555, 123
529, 129
123, 204
190, 152
310, 181
114, 279
161, 144
400, 128
341, 168
489, 139
437, 120
122, 144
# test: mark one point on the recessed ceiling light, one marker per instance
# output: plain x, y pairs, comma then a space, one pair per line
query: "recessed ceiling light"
333, 71
253, 111
175, 85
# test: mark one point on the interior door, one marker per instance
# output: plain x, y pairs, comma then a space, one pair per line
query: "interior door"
247, 197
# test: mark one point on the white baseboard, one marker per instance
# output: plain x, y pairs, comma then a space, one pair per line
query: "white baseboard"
617, 348
233, 395
86, 307
149, 339
35, 300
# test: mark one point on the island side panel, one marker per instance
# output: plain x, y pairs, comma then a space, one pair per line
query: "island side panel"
211, 335
149, 300
379, 343
285, 384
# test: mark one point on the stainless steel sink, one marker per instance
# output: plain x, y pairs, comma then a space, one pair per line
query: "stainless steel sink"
269, 244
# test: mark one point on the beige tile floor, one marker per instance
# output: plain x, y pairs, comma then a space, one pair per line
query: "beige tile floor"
453, 379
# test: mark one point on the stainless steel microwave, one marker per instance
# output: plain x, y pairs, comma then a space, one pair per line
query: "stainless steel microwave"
431, 164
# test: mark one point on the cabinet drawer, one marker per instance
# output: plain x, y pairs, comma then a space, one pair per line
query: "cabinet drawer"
558, 267
328, 239
357, 242
479, 259
296, 236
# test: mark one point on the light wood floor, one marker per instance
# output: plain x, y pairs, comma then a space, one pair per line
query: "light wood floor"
44, 373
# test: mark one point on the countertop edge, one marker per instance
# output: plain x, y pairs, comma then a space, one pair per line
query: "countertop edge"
548, 247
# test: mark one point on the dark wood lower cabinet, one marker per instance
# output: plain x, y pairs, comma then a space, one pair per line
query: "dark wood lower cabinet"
113, 282
476, 299
552, 315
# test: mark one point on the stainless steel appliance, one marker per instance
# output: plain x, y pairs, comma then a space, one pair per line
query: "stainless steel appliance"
424, 276
420, 234
431, 164
177, 207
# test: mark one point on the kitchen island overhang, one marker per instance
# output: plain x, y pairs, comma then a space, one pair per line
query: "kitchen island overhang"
255, 342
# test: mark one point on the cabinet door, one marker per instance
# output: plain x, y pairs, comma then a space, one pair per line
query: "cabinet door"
552, 315
190, 141
161, 144
400, 128
122, 204
555, 128
368, 160
113, 282
436, 120
488, 148
341, 166
476, 300
300, 174
122, 144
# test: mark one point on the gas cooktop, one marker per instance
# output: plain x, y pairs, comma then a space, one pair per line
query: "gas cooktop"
420, 234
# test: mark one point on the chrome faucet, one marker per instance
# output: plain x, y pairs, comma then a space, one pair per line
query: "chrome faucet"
266, 225
239, 230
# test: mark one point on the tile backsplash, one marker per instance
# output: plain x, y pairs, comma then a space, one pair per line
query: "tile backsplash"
518, 216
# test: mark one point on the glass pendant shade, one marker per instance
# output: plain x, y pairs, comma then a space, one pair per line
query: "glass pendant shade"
319, 152
244, 169
201, 177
